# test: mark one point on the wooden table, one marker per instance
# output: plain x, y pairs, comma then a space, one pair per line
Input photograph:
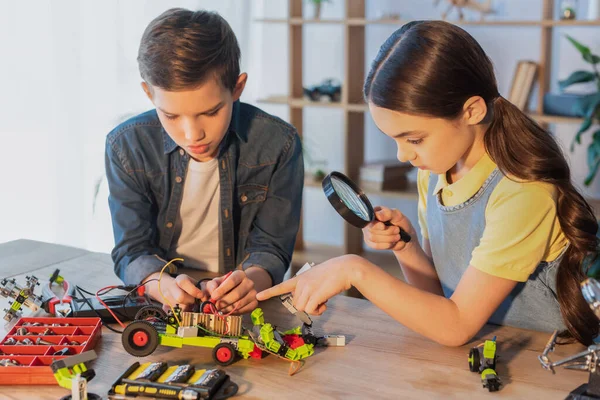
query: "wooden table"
382, 359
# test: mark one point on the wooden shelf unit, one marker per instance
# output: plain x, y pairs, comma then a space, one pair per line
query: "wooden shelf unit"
363, 21
301, 102
354, 23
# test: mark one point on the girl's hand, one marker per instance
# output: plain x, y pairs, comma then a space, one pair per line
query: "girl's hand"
381, 237
313, 288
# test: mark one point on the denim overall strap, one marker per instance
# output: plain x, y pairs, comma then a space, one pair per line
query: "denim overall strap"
455, 231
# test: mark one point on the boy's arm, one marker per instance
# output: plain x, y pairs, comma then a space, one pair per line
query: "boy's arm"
273, 234
134, 222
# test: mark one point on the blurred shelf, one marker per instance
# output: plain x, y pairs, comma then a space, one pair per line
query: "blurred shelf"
364, 22
301, 102
410, 194
355, 107
555, 119
300, 21
360, 22
572, 23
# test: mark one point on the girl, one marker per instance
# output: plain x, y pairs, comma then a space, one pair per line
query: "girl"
504, 230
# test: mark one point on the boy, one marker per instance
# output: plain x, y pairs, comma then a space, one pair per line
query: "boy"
202, 177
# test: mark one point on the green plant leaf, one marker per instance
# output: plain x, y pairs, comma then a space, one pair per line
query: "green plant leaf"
593, 158
584, 50
584, 127
586, 105
577, 77
591, 58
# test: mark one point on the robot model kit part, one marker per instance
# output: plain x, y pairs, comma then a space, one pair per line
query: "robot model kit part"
482, 359
23, 296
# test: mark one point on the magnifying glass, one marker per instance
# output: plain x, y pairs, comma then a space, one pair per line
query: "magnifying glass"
351, 202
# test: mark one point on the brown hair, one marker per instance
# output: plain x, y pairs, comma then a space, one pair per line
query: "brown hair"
432, 68
181, 49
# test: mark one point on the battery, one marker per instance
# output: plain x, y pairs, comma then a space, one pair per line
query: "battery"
181, 374
210, 378
152, 371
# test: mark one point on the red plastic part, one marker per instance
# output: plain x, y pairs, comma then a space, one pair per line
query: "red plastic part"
35, 360
140, 338
294, 341
224, 354
256, 353
55, 300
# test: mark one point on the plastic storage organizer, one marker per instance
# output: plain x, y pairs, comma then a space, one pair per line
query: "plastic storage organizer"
28, 363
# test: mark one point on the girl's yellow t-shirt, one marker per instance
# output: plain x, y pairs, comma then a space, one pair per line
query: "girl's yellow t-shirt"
521, 227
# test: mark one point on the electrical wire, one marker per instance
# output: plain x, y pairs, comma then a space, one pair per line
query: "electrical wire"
81, 292
130, 292
221, 316
105, 290
160, 291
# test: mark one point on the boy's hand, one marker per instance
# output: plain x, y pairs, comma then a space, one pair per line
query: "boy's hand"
312, 289
181, 290
381, 237
238, 289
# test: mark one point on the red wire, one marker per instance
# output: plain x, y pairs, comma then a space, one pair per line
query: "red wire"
214, 311
98, 294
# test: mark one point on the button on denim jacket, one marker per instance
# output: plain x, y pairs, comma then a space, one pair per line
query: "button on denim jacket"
261, 174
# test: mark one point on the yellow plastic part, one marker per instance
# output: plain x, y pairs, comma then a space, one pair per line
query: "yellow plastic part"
489, 349
139, 370
257, 317
488, 371
64, 376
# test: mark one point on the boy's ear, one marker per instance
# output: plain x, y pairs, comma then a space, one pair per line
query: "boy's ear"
474, 110
147, 90
239, 86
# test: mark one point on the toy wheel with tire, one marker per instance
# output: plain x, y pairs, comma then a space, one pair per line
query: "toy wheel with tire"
150, 312
140, 338
474, 359
224, 354
315, 95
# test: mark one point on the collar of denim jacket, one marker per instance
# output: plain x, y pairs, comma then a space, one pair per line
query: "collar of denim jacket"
234, 126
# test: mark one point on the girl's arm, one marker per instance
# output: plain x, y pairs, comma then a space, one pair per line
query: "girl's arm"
451, 322
415, 261
418, 269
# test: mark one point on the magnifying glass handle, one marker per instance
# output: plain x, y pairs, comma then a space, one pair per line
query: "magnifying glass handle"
405, 237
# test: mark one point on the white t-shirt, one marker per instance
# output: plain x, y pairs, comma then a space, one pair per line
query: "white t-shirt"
197, 233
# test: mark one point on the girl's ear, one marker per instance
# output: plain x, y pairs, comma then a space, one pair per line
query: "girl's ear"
474, 110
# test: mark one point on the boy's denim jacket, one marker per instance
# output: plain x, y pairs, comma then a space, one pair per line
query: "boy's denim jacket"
261, 176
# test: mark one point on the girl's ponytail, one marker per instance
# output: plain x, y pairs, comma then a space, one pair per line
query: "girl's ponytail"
522, 149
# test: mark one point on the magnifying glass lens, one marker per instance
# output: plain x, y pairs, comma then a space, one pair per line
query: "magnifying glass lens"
350, 198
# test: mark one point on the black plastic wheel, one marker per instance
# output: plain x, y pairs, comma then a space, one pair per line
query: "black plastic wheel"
315, 95
150, 312
474, 359
140, 338
224, 354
